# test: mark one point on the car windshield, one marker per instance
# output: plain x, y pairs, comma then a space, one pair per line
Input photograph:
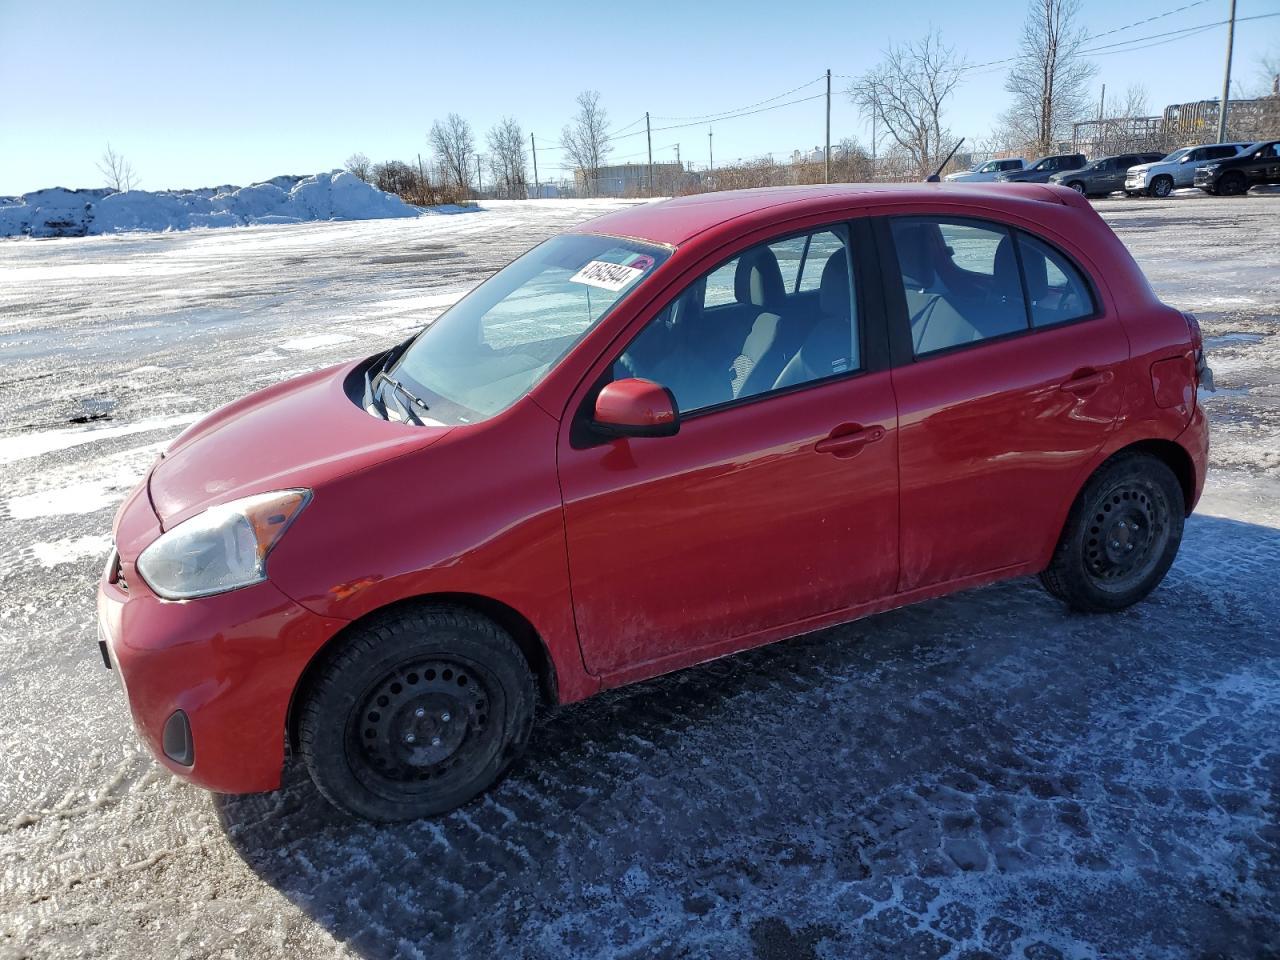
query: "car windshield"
1176, 155
492, 346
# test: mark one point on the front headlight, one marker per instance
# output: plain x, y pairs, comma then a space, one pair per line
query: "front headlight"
222, 549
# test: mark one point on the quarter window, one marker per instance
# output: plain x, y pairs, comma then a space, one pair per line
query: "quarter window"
742, 329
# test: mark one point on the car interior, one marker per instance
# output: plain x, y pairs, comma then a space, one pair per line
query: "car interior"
746, 329
964, 282
710, 349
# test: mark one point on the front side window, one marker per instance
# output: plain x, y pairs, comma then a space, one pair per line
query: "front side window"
778, 315
965, 281
991, 167
493, 345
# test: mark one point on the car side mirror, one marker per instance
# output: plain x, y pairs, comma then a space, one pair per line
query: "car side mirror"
636, 408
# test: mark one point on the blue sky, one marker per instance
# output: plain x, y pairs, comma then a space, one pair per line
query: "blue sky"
203, 94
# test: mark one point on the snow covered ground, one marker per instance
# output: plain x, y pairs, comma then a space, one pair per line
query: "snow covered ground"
58, 212
984, 775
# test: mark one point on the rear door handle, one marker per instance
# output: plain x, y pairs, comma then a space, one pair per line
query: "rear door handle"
1084, 382
847, 440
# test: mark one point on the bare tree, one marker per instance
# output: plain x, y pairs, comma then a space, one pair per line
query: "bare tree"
455, 150
1050, 79
358, 165
906, 93
118, 171
506, 158
1268, 64
585, 139
1134, 103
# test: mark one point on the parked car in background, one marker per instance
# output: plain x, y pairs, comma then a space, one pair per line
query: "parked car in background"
986, 171
678, 431
1178, 169
1103, 176
1232, 177
1044, 168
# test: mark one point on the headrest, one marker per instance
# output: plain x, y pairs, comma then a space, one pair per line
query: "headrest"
758, 279
833, 295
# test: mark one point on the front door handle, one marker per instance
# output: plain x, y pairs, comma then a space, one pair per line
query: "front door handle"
848, 438
1085, 382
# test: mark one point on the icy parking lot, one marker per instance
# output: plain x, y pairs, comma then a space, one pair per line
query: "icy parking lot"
981, 776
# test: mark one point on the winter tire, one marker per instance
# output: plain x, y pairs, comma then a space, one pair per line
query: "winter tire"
416, 712
1121, 535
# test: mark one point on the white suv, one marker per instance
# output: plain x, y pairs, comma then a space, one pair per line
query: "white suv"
1178, 169
987, 171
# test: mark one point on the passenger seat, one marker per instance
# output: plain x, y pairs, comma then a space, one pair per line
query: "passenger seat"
758, 286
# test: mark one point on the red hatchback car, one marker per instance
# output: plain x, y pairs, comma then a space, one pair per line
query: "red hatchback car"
678, 431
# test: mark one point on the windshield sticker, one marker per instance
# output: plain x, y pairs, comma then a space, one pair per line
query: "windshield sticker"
607, 276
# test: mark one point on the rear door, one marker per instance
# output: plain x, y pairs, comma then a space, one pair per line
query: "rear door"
1007, 381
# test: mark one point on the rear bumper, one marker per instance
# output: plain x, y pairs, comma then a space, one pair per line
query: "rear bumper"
1195, 440
230, 663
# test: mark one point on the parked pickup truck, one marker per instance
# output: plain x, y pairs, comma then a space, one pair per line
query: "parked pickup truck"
1178, 169
1234, 176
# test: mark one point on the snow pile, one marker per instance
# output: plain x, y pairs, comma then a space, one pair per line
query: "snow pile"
74, 213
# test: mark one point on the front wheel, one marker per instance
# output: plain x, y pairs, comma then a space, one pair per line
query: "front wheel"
1232, 185
419, 710
1161, 186
1077, 186
1121, 535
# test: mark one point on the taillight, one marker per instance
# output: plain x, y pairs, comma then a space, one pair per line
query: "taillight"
1204, 375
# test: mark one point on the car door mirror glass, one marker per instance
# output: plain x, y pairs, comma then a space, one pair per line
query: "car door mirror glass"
635, 408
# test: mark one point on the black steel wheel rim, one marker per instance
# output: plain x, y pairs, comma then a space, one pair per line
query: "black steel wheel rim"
1126, 535
425, 727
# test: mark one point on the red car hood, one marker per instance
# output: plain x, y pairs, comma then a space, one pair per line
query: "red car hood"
299, 433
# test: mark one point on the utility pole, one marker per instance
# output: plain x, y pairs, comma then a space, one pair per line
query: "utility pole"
479, 179
711, 156
648, 136
826, 154
533, 148
1226, 76
678, 163
1102, 104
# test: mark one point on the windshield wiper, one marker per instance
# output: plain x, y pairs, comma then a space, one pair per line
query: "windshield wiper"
398, 387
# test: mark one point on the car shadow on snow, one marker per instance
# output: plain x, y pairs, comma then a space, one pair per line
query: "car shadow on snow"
982, 775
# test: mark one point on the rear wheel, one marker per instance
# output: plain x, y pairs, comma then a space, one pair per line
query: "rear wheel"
1161, 186
1232, 184
1121, 535
417, 712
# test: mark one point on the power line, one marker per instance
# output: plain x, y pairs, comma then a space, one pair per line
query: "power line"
704, 117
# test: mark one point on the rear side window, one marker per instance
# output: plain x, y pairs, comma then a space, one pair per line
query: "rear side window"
960, 279
965, 281
1218, 153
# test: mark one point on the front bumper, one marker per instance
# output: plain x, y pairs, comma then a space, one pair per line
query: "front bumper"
1134, 184
229, 662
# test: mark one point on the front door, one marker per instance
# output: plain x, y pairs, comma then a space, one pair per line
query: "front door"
777, 499
1012, 386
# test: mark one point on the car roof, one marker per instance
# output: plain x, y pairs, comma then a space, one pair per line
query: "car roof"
674, 221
